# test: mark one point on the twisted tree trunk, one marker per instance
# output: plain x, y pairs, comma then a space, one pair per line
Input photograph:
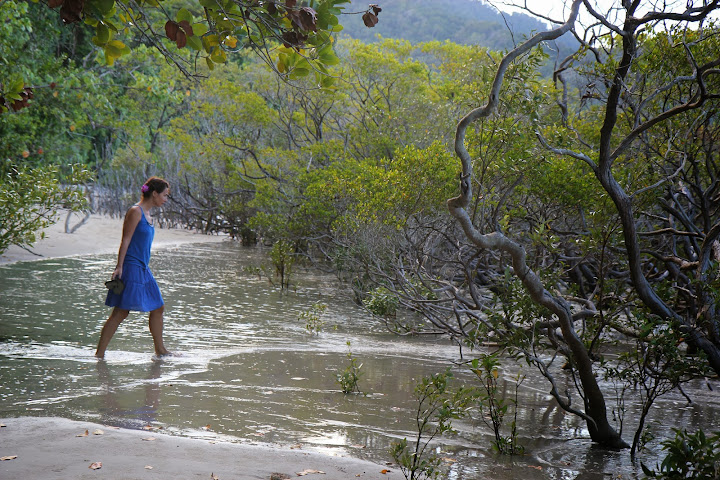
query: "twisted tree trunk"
595, 410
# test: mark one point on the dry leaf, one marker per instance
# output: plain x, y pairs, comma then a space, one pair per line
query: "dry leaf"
148, 427
448, 460
309, 471
83, 434
536, 468
149, 439
358, 446
148, 467
95, 465
9, 457
385, 471
297, 445
98, 432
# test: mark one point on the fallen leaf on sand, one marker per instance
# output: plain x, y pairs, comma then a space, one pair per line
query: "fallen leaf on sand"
385, 471
9, 457
297, 445
357, 446
148, 427
95, 466
148, 467
308, 472
83, 434
149, 439
98, 432
448, 460
536, 468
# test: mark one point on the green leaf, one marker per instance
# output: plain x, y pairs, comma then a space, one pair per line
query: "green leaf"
224, 26
111, 26
209, 3
329, 59
210, 41
210, 63
117, 44
112, 51
16, 86
194, 42
327, 82
184, 14
103, 34
200, 29
218, 55
103, 7
299, 73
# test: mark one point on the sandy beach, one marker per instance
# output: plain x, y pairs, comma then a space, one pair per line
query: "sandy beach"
54, 448
44, 448
100, 234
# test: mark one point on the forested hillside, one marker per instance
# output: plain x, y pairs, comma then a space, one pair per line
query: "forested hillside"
466, 22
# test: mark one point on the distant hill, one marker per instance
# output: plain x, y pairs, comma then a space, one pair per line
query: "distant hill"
468, 22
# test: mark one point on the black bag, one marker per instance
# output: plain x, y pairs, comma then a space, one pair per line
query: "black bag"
115, 285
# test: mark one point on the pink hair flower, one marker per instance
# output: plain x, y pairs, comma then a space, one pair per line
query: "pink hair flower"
144, 188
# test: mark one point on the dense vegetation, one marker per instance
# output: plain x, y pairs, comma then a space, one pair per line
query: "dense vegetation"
586, 222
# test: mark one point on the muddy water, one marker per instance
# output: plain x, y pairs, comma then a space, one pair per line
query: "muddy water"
251, 372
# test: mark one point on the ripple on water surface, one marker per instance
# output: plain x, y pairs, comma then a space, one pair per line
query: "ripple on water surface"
249, 371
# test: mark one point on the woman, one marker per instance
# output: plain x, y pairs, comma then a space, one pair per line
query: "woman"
141, 292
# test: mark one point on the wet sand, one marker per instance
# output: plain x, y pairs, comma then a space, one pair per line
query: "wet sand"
55, 448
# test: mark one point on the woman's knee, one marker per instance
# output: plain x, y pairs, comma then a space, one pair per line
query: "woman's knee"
118, 315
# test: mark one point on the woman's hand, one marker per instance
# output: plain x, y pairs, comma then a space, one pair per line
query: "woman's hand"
117, 273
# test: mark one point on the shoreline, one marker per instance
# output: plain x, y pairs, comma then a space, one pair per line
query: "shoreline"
54, 448
101, 234
50, 448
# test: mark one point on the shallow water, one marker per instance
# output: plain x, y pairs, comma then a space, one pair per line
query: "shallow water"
250, 371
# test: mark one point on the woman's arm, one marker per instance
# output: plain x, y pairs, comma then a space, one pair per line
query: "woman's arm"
132, 218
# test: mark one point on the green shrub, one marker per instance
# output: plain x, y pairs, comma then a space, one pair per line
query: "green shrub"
689, 455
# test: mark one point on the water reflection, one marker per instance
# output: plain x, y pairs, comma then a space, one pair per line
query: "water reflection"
116, 409
250, 372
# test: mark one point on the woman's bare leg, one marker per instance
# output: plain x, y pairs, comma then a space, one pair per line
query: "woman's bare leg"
156, 329
108, 330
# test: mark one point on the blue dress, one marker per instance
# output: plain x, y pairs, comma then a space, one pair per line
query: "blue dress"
141, 291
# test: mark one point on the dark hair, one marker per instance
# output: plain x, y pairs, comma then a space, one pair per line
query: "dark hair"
154, 184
